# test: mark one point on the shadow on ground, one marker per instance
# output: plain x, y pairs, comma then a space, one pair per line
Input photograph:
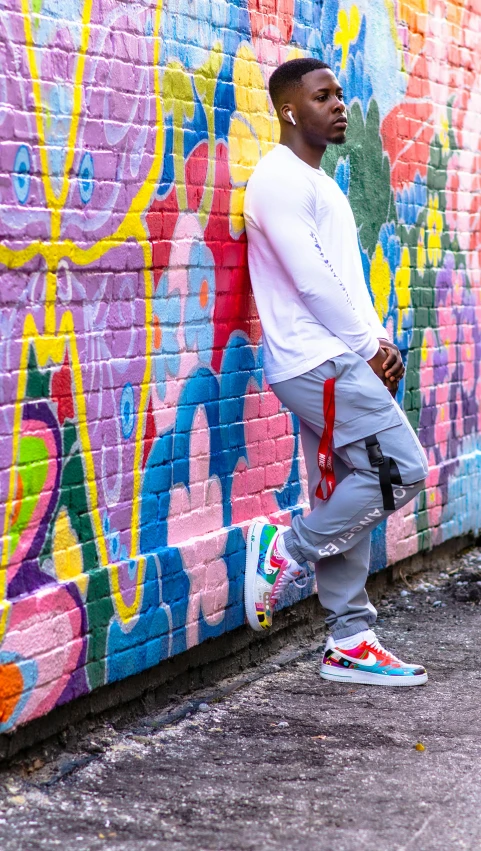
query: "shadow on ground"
286, 761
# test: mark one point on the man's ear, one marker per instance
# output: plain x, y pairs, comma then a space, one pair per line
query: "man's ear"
287, 112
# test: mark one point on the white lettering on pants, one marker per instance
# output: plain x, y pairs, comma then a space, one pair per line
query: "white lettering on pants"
376, 514
331, 549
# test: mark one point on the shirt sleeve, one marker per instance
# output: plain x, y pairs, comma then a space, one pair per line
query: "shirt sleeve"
285, 213
374, 320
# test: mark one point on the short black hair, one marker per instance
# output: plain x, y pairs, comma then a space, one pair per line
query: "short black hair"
289, 75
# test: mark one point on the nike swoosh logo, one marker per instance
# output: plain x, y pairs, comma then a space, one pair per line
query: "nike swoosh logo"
369, 662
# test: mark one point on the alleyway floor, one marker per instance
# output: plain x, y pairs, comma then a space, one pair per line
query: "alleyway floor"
287, 761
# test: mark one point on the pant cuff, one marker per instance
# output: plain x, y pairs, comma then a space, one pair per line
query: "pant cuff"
292, 549
351, 629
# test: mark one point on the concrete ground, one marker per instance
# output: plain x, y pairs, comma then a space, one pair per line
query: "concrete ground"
286, 761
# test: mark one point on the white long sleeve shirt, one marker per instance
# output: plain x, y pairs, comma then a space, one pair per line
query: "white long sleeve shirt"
305, 268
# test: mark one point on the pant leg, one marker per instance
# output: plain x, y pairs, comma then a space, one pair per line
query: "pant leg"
363, 407
341, 579
356, 506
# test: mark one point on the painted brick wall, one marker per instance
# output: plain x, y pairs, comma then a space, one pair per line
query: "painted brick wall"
137, 435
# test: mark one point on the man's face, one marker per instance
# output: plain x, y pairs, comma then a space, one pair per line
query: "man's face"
320, 109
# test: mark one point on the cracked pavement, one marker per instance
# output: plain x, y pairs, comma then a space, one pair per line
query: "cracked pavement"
286, 761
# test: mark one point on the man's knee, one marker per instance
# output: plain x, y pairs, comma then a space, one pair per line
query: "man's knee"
417, 470
404, 493
410, 465
411, 481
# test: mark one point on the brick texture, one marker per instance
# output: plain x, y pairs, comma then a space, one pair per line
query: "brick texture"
137, 434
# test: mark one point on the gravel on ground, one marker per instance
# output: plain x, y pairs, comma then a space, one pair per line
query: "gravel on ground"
287, 761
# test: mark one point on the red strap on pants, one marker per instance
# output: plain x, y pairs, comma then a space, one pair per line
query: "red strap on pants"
325, 451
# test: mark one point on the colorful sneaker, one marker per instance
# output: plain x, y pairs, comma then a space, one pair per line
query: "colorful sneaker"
368, 663
268, 572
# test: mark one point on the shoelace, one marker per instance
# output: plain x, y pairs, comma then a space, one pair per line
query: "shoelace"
380, 649
298, 574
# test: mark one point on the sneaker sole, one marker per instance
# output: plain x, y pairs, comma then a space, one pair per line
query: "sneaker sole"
252, 559
365, 678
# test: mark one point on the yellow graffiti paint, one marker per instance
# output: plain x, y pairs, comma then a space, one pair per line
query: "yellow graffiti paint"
205, 80
402, 283
434, 222
66, 554
51, 343
444, 134
380, 280
179, 101
254, 128
424, 350
348, 27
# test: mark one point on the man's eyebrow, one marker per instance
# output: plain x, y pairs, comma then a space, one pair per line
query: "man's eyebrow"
317, 91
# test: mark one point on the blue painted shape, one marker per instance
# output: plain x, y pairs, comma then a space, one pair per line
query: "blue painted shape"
391, 246
198, 328
238, 368
86, 178
412, 200
342, 175
189, 39
195, 130
355, 79
202, 388
127, 410
21, 175
290, 493
234, 558
150, 640
167, 178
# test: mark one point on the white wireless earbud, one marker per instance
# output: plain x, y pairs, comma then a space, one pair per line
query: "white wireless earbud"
291, 117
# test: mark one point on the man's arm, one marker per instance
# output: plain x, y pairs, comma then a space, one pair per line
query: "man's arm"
285, 213
392, 366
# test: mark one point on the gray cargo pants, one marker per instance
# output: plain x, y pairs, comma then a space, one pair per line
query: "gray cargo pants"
335, 535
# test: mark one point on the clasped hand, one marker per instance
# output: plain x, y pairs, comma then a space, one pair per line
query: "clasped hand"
387, 365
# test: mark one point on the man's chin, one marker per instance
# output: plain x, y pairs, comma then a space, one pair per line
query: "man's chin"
339, 138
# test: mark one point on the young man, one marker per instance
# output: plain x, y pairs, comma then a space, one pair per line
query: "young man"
328, 359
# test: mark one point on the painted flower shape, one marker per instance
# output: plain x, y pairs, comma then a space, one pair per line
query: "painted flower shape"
380, 281
411, 200
199, 329
348, 27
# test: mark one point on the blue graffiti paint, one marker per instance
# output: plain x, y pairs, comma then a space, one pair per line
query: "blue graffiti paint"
21, 175
86, 178
127, 410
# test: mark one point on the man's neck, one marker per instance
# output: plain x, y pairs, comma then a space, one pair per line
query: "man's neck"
311, 156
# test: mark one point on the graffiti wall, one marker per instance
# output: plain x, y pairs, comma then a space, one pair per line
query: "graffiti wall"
137, 434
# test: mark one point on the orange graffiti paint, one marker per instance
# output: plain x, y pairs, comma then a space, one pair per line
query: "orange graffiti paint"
204, 294
11, 685
157, 333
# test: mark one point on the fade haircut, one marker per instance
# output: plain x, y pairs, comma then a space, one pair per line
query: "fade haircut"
289, 75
